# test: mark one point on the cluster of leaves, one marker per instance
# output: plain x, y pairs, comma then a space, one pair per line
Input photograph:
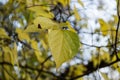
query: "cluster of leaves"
36, 33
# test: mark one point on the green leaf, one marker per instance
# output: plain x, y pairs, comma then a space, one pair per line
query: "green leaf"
64, 45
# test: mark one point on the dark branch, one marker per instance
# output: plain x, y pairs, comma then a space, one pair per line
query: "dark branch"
116, 37
46, 59
90, 68
31, 68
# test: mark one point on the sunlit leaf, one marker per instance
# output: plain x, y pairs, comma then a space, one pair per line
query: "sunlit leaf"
104, 76
105, 56
113, 58
32, 28
104, 27
37, 51
15, 54
40, 11
116, 66
63, 44
76, 13
45, 23
44, 40
95, 60
79, 69
118, 54
29, 2
22, 35
3, 34
68, 25
81, 3
115, 19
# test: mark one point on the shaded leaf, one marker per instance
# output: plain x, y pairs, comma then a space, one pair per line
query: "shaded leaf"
8, 55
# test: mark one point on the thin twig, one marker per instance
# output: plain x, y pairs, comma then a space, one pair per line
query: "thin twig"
42, 64
95, 45
46, 59
116, 37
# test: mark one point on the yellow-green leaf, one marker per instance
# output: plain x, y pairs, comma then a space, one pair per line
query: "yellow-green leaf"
64, 2
67, 24
15, 55
44, 40
22, 35
34, 45
3, 34
8, 55
118, 54
45, 23
104, 76
32, 28
77, 15
40, 11
95, 60
70, 27
104, 27
104, 55
64, 45
81, 3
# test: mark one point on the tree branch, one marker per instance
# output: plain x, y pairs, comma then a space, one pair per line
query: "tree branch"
91, 69
31, 68
116, 37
